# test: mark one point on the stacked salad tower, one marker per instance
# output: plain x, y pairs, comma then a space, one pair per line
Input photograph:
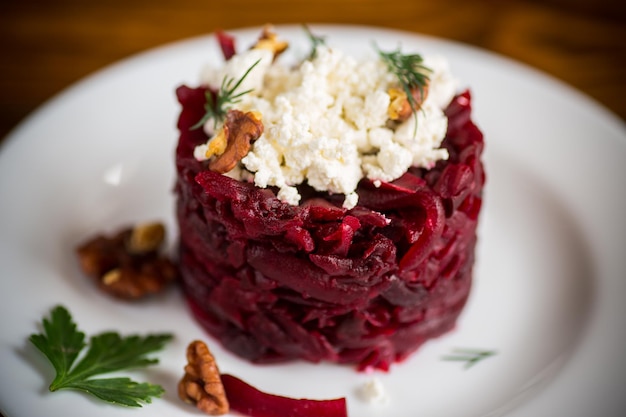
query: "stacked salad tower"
327, 207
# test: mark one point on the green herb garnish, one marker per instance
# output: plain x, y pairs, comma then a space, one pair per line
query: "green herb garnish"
410, 71
315, 41
217, 105
62, 343
470, 356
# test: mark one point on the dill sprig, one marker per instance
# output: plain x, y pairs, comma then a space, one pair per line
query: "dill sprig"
315, 41
470, 356
410, 71
217, 105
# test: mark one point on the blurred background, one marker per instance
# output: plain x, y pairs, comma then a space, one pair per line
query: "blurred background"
46, 45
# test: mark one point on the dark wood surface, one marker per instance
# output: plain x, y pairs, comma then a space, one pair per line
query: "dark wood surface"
46, 45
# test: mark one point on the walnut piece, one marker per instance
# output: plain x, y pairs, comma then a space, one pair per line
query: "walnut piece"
269, 40
399, 107
201, 385
240, 130
217, 144
128, 265
146, 238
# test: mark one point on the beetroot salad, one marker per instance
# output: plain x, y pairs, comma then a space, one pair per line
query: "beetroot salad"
355, 244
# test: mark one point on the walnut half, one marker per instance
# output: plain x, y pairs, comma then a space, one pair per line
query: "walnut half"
269, 40
201, 385
234, 140
127, 264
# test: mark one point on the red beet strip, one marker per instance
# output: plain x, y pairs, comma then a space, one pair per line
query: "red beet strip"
249, 401
227, 44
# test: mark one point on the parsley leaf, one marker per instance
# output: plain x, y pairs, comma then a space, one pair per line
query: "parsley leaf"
61, 342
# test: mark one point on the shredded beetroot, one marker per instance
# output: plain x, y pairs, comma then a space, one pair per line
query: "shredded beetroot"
249, 401
227, 44
275, 282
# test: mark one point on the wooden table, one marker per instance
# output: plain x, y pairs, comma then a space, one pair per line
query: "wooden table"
49, 44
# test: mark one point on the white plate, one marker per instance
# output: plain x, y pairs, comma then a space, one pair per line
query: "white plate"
550, 287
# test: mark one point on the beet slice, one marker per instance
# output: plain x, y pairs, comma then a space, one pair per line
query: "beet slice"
247, 400
227, 44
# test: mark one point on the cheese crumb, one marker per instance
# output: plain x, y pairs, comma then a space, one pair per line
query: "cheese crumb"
351, 200
373, 392
326, 122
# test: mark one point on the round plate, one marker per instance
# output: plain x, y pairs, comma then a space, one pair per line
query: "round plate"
549, 294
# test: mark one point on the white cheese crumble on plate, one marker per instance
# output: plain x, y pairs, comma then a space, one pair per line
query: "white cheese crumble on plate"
326, 121
373, 392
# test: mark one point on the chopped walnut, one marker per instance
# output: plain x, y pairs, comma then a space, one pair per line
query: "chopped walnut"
240, 130
269, 40
128, 264
399, 107
146, 238
201, 385
217, 144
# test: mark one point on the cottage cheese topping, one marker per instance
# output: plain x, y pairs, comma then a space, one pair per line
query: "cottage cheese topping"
326, 122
